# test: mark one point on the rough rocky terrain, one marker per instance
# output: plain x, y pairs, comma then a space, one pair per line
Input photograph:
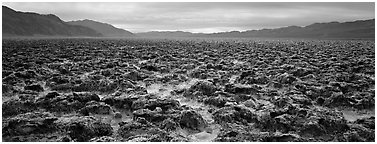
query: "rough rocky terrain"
142, 90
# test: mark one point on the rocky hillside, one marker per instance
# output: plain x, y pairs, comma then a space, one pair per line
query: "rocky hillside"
17, 23
103, 28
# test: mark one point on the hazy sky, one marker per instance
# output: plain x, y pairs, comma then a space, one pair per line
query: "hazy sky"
202, 17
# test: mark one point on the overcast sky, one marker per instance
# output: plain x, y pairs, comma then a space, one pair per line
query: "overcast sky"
202, 17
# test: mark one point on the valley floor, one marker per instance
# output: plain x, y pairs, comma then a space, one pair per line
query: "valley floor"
142, 90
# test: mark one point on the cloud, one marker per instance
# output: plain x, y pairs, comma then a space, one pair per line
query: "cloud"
206, 17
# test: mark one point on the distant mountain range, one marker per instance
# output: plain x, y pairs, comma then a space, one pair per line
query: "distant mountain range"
169, 34
355, 29
103, 28
17, 23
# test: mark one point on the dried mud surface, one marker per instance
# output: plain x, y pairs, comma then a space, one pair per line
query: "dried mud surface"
142, 90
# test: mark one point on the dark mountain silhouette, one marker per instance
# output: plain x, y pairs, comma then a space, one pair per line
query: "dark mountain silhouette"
103, 28
17, 23
355, 29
